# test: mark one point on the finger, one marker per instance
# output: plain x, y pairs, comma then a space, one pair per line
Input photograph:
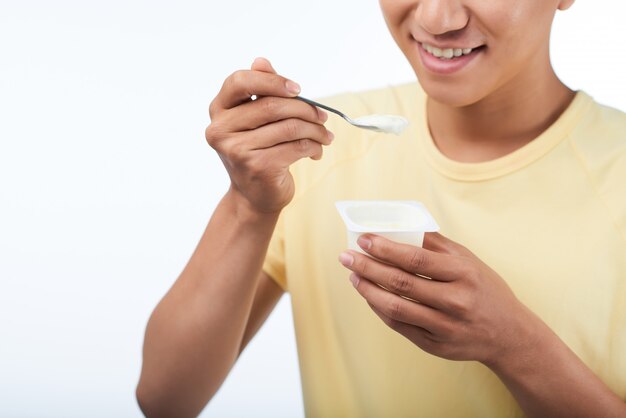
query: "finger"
410, 331
423, 338
395, 280
286, 130
434, 241
287, 153
262, 64
399, 309
295, 137
417, 260
241, 85
262, 111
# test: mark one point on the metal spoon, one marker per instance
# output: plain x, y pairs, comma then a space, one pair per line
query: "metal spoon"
379, 123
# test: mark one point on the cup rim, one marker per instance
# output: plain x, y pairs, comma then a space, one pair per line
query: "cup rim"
429, 224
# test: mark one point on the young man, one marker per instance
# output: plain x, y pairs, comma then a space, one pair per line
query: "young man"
525, 178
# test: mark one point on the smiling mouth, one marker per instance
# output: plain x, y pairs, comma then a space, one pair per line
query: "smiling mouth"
448, 53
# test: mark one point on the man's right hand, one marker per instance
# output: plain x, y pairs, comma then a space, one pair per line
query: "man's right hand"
259, 139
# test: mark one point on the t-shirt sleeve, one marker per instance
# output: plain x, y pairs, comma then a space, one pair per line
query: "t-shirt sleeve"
274, 264
603, 155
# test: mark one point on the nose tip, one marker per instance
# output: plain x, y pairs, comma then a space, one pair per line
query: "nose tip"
439, 17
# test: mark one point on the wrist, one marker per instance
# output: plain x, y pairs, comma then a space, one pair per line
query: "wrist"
244, 212
529, 340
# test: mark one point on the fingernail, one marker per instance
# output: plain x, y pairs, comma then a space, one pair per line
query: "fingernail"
331, 135
292, 87
322, 115
346, 259
364, 242
355, 280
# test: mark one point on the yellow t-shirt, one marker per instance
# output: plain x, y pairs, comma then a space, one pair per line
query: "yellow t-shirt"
550, 218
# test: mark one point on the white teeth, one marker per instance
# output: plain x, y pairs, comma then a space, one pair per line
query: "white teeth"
446, 53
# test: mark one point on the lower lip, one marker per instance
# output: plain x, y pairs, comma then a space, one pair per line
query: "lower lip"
447, 66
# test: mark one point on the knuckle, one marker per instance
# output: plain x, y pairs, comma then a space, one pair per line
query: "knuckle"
399, 282
394, 308
303, 146
209, 134
323, 135
291, 128
428, 344
235, 153
271, 106
446, 329
472, 273
444, 350
454, 248
236, 78
318, 152
459, 303
389, 321
215, 136
212, 108
417, 261
213, 132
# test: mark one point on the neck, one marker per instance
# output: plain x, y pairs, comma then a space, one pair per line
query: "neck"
504, 121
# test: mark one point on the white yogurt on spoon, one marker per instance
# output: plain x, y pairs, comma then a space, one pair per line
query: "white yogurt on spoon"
383, 123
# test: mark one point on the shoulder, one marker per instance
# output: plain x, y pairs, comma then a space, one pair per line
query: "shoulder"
600, 133
599, 143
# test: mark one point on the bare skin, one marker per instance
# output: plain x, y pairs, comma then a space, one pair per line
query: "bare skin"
221, 298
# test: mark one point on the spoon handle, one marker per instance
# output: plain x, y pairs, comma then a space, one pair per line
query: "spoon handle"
313, 103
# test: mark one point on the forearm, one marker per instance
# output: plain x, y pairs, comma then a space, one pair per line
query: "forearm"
548, 380
194, 334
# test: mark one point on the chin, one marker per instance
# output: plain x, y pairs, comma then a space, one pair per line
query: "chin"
454, 91
449, 94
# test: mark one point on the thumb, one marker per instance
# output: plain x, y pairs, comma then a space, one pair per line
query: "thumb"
262, 64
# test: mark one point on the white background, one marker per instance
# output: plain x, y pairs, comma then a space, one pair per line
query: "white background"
106, 182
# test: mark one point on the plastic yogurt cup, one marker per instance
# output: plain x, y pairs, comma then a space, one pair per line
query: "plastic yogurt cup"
402, 221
